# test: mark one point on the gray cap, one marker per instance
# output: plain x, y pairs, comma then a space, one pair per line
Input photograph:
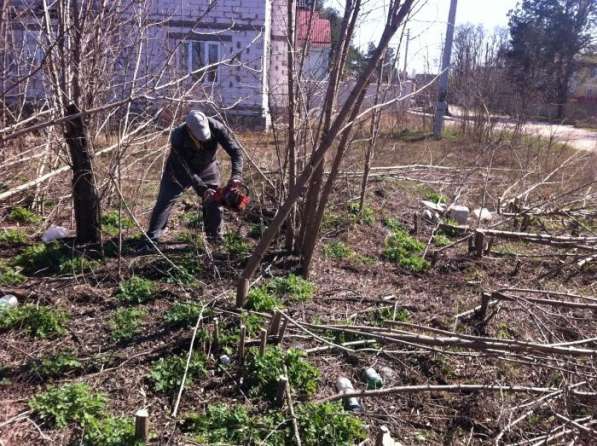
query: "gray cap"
198, 125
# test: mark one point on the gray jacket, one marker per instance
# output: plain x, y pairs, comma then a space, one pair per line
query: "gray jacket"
194, 165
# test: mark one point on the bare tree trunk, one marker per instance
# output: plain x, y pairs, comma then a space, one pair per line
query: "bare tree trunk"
85, 195
397, 13
290, 227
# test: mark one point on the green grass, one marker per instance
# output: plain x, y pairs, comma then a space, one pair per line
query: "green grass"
441, 240
78, 265
39, 322
111, 221
126, 323
13, 236
405, 250
264, 370
166, 373
111, 431
42, 257
56, 365
436, 197
192, 219
22, 215
136, 290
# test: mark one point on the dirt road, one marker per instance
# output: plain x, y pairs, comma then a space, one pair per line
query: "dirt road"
582, 139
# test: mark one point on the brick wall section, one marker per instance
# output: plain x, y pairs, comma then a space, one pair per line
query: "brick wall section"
278, 70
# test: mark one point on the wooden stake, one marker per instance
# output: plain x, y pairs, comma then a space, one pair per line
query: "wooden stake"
216, 334
281, 390
274, 326
417, 223
241, 345
479, 243
262, 340
282, 330
142, 425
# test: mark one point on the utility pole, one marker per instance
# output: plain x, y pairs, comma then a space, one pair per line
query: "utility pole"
442, 104
406, 50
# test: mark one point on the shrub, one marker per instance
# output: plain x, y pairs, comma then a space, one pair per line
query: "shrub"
39, 322
405, 250
337, 250
135, 290
23, 215
12, 236
261, 299
10, 276
236, 245
110, 222
264, 370
126, 323
292, 286
71, 403
55, 365
328, 425
166, 373
183, 314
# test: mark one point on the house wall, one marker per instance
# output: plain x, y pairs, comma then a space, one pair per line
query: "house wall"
278, 64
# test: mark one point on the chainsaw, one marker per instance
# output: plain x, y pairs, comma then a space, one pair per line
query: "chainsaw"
234, 196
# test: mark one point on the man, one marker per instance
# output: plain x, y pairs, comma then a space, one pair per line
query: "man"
192, 162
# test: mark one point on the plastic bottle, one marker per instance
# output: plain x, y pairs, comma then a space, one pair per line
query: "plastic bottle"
374, 380
8, 301
343, 385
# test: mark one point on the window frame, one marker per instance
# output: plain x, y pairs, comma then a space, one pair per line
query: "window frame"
187, 51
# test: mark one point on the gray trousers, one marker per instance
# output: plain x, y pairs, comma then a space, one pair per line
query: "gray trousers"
170, 189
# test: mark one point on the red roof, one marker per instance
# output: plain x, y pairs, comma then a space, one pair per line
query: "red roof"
321, 31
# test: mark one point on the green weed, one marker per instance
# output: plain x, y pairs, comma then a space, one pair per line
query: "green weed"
235, 244
294, 287
135, 290
42, 257
224, 425
10, 276
366, 215
329, 425
264, 370
40, 322
166, 373
183, 314
436, 197
405, 250
337, 250
126, 323
78, 265
71, 403
111, 431
55, 365
23, 215
441, 240
262, 299
192, 219
257, 230
12, 236
333, 221
319, 425
111, 221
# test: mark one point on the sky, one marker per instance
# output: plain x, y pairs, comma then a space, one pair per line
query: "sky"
428, 26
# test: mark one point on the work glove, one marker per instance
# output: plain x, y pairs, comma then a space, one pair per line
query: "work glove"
208, 195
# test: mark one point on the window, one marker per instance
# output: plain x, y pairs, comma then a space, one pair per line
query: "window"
195, 54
